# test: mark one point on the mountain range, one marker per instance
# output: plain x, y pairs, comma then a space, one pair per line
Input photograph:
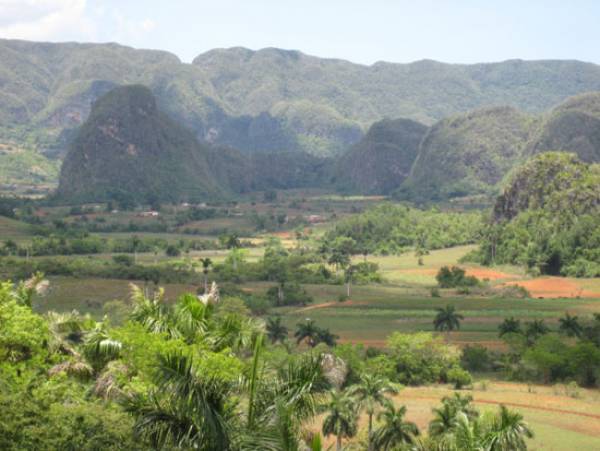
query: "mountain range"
424, 130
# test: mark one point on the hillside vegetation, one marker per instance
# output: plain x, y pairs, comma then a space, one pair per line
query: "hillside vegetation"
468, 154
548, 218
266, 100
382, 160
128, 148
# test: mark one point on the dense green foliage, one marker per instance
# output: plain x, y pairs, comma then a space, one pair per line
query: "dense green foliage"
467, 154
268, 100
380, 162
390, 229
548, 218
537, 353
573, 126
200, 375
128, 148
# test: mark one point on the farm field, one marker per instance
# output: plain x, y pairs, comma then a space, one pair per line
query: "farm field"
560, 422
403, 303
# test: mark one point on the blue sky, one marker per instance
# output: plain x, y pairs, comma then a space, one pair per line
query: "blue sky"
459, 31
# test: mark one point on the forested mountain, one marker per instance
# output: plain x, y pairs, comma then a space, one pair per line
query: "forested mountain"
275, 101
128, 149
266, 100
468, 154
548, 218
381, 161
572, 126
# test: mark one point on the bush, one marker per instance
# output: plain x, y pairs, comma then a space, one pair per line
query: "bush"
172, 251
125, 260
475, 358
455, 277
459, 377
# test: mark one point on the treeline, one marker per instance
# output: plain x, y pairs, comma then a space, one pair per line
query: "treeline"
548, 219
537, 353
392, 229
83, 243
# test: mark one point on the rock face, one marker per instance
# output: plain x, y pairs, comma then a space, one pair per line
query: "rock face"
468, 154
128, 148
554, 181
573, 126
382, 160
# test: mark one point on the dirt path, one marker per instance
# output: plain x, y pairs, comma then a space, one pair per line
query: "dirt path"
329, 304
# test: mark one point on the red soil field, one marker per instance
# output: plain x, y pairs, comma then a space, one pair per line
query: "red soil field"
554, 287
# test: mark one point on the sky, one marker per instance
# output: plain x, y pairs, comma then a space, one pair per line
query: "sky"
367, 31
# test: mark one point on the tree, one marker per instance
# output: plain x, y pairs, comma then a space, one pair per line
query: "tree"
348, 274
447, 320
206, 264
509, 325
307, 331
370, 392
508, 431
341, 419
569, 325
276, 331
187, 409
325, 336
395, 430
444, 417
535, 329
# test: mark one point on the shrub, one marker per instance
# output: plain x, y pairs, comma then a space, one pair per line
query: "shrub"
475, 358
455, 277
172, 251
459, 377
125, 260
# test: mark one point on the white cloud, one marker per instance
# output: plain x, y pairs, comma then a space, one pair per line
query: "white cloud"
45, 20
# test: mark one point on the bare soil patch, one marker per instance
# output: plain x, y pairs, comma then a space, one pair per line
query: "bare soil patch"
555, 287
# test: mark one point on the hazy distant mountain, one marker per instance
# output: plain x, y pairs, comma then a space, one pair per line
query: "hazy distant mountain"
128, 150
573, 126
382, 160
468, 153
267, 100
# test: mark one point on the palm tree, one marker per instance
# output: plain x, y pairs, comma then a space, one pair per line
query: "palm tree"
187, 410
325, 336
348, 273
152, 313
394, 431
342, 418
509, 326
508, 431
370, 392
283, 402
447, 320
99, 348
534, 329
276, 331
66, 330
443, 420
206, 264
307, 331
190, 318
444, 417
570, 326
